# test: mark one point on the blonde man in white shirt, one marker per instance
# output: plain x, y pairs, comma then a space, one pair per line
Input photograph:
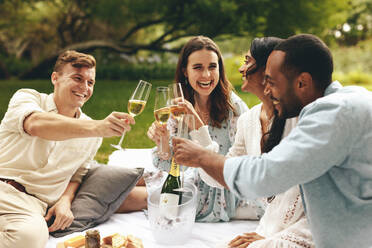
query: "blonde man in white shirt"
46, 145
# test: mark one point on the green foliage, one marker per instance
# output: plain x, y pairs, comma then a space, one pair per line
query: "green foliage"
352, 65
36, 31
354, 58
122, 71
358, 20
232, 65
283, 18
354, 78
15, 66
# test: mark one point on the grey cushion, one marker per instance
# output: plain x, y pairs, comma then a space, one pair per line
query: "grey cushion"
103, 190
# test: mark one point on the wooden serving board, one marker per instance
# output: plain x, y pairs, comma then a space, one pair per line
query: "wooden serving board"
62, 245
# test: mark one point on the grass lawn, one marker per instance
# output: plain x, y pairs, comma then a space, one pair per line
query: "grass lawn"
108, 96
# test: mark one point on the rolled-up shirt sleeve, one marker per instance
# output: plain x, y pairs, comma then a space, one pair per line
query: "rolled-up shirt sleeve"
320, 141
80, 173
23, 103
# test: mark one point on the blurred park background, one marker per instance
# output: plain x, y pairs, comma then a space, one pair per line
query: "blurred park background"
140, 39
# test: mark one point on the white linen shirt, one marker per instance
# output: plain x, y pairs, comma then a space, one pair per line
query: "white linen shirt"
42, 166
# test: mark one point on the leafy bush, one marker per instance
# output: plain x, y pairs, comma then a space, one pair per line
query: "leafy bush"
15, 66
232, 65
355, 58
356, 77
115, 71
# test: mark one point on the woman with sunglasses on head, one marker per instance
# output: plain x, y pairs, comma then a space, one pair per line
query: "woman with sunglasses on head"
284, 223
210, 98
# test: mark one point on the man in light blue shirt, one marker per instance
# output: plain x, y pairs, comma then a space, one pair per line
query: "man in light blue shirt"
329, 153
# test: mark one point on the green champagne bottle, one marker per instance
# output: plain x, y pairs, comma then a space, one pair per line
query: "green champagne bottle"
169, 198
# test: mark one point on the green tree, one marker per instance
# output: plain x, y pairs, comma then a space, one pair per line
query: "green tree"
37, 31
357, 25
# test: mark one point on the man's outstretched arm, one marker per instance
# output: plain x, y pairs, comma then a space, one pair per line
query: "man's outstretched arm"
52, 126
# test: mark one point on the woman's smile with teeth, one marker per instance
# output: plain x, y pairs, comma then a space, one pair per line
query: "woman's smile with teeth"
205, 84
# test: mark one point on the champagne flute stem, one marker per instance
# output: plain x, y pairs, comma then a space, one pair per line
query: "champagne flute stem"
121, 139
161, 146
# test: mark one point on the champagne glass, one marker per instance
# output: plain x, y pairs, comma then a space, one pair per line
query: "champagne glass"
136, 104
184, 127
176, 96
162, 112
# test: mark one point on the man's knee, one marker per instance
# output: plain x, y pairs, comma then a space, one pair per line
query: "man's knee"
31, 232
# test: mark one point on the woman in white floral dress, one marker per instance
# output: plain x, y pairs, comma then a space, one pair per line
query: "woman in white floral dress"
284, 223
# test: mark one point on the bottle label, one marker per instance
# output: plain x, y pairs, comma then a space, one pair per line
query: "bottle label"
169, 205
175, 169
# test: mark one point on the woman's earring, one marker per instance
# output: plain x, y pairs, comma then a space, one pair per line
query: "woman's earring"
186, 81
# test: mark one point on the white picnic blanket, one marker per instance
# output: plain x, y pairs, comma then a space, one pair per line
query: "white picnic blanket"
203, 234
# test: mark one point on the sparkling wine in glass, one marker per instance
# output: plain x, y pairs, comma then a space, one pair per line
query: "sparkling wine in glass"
176, 96
136, 104
162, 112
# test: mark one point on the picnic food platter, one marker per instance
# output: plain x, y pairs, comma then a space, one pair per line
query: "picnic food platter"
92, 240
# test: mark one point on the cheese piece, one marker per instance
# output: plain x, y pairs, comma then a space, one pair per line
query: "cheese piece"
134, 242
119, 241
75, 241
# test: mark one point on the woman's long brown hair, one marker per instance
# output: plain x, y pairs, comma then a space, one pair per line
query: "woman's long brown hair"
219, 100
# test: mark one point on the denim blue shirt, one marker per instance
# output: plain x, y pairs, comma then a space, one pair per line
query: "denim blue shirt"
329, 154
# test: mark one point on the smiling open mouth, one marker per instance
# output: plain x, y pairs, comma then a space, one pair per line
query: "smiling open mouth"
205, 84
274, 100
79, 94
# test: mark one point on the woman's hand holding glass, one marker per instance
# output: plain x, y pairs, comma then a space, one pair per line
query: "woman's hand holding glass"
179, 106
189, 109
160, 135
175, 98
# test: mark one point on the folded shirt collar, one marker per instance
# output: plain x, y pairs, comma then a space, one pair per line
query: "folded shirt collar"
52, 107
333, 87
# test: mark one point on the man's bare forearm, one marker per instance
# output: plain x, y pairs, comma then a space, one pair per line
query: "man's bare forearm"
191, 154
52, 126
213, 164
70, 191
